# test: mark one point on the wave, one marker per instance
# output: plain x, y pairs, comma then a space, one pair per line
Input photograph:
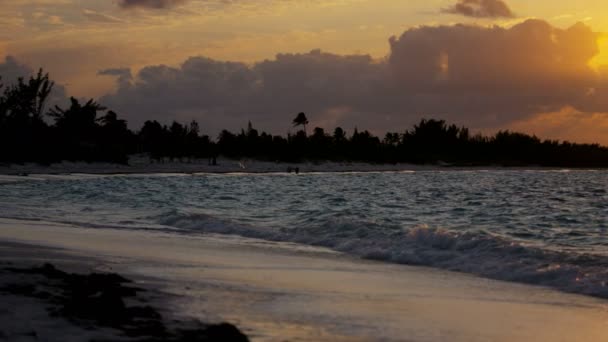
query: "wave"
479, 253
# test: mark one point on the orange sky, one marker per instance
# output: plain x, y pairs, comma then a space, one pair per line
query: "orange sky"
75, 39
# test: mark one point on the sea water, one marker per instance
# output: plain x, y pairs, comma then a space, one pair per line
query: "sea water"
538, 227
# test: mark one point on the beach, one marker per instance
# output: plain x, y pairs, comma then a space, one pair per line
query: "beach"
283, 291
289, 171
55, 294
142, 164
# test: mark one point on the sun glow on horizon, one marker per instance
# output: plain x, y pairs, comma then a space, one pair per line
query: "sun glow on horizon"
600, 61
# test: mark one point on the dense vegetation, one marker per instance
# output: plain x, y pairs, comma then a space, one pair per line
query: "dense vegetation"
29, 132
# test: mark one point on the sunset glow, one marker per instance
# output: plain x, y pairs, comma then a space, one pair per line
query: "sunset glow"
304, 170
77, 41
601, 59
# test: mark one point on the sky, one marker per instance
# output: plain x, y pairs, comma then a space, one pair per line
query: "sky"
382, 65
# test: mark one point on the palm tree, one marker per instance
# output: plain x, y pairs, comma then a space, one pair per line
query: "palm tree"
78, 119
301, 120
25, 100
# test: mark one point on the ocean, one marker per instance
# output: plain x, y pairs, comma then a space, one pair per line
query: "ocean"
536, 227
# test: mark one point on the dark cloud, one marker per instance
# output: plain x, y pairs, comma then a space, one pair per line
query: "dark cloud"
124, 74
478, 76
481, 9
154, 4
226, 94
11, 70
495, 71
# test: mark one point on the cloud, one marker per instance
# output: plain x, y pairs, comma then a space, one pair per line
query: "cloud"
481, 9
122, 72
100, 17
226, 94
478, 76
154, 4
498, 72
11, 70
124, 75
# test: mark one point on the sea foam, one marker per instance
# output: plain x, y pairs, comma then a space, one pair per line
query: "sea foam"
479, 253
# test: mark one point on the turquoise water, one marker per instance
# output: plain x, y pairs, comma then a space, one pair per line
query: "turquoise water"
539, 227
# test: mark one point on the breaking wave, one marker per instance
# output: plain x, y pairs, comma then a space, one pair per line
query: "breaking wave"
479, 253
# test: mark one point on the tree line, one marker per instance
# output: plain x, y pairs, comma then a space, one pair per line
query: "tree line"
89, 132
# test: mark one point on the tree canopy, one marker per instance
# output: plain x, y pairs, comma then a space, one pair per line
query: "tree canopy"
87, 131
300, 120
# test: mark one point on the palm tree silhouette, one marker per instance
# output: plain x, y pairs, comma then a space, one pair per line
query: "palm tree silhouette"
78, 117
301, 120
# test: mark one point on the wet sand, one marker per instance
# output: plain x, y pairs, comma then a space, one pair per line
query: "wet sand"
277, 291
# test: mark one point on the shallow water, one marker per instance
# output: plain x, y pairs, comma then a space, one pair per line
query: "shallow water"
539, 227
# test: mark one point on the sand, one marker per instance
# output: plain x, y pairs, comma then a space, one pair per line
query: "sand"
277, 291
142, 164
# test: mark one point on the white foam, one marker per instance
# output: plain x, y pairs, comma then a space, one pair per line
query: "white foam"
478, 253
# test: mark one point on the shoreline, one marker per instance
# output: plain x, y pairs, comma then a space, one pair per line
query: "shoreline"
289, 291
79, 301
229, 166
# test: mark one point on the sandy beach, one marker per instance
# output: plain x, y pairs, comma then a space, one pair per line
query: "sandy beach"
53, 294
279, 291
142, 164
290, 171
